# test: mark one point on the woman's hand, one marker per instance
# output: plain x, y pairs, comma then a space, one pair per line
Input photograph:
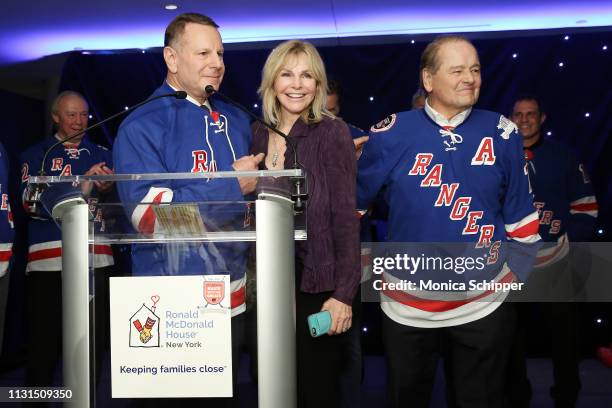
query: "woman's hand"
341, 314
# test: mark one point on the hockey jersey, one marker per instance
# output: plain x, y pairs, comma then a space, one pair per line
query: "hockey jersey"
563, 197
462, 181
6, 216
174, 136
355, 131
44, 236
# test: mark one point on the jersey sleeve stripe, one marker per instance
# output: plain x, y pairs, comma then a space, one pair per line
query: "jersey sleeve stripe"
143, 217
586, 205
526, 230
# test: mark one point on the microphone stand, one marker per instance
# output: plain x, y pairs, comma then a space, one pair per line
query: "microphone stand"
35, 190
298, 195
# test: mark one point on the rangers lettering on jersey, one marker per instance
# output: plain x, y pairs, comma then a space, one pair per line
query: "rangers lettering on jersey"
67, 171
460, 208
447, 193
57, 164
200, 161
421, 162
434, 178
485, 155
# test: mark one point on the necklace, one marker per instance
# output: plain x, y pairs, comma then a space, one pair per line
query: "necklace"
274, 159
276, 153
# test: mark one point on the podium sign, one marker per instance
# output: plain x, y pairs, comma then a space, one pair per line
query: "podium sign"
171, 336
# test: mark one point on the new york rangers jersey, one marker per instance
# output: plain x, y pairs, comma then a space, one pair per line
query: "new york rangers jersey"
175, 136
563, 197
6, 216
44, 236
458, 181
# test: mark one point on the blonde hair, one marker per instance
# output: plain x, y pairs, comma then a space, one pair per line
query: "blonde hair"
274, 64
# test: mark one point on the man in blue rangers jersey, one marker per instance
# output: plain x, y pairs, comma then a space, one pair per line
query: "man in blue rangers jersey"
568, 213
78, 156
197, 134
6, 237
453, 174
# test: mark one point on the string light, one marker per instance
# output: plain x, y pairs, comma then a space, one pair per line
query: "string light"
411, 41
600, 231
255, 105
365, 329
371, 99
599, 320
548, 133
90, 116
514, 55
126, 108
605, 48
170, 6
566, 37
587, 115
561, 64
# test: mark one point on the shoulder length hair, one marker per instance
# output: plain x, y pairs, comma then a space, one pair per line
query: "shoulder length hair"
274, 64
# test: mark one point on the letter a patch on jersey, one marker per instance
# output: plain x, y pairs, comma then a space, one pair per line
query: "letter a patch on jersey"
485, 155
385, 124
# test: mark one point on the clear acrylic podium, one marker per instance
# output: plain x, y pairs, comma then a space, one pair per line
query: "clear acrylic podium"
268, 220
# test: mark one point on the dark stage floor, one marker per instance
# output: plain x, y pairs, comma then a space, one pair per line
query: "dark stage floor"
596, 385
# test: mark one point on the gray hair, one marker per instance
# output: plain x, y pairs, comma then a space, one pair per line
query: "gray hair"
61, 95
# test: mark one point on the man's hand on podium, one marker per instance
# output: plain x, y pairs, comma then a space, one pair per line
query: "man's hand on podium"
248, 163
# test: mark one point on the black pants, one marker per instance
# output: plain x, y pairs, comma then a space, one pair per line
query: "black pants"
44, 323
475, 356
562, 322
44, 312
555, 287
352, 374
4, 287
321, 360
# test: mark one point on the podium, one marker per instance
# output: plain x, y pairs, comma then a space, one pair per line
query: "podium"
206, 233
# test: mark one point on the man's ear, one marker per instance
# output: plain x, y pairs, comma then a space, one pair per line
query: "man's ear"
426, 78
542, 118
55, 118
170, 58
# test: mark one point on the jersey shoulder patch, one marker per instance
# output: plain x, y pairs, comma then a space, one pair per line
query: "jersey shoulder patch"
507, 127
385, 124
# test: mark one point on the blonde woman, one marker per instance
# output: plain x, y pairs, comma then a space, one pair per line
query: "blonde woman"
293, 92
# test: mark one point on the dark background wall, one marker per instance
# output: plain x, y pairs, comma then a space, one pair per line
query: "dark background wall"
385, 72
22, 121
389, 74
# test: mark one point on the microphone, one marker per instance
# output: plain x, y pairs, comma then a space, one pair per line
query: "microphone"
35, 190
209, 89
298, 195
177, 95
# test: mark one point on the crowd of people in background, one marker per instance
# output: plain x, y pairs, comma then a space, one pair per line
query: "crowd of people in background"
445, 172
